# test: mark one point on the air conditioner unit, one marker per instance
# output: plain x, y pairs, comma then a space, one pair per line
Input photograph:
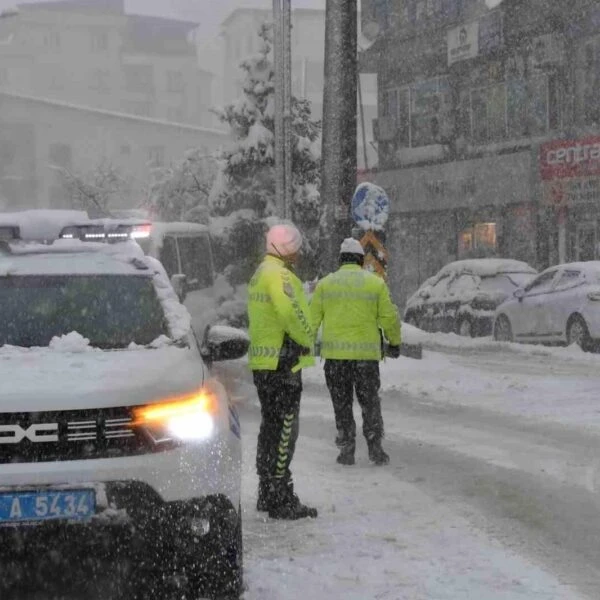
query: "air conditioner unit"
384, 129
548, 51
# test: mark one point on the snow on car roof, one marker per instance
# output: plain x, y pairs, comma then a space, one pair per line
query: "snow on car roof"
160, 230
73, 257
43, 224
486, 267
590, 266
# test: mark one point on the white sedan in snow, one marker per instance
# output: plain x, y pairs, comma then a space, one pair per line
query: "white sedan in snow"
561, 305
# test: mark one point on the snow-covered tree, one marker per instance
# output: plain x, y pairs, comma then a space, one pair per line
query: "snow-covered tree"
180, 192
95, 191
244, 193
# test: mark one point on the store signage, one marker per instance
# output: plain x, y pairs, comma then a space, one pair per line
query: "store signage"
568, 159
463, 42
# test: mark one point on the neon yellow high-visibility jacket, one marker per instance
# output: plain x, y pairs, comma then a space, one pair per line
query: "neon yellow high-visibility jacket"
353, 305
277, 306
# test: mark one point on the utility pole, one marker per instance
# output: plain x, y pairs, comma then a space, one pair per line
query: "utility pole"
282, 51
338, 171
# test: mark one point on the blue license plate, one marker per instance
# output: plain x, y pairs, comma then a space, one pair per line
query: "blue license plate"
50, 505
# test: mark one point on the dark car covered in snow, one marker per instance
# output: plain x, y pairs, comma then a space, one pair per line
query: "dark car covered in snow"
463, 296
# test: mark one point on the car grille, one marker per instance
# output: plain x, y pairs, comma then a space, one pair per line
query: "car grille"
70, 435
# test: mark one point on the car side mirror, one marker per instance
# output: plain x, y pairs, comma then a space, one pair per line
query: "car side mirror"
179, 283
424, 294
519, 293
222, 342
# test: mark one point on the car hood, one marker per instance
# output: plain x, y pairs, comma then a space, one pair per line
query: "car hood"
41, 379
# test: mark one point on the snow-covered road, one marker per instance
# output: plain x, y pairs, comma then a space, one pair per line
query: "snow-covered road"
492, 490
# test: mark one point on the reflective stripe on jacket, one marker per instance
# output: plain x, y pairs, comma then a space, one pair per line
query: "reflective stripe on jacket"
277, 306
353, 305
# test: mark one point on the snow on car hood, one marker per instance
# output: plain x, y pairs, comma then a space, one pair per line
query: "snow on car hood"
41, 379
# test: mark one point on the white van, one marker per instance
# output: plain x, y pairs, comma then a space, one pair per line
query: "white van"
183, 249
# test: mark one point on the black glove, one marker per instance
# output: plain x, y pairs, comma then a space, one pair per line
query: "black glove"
289, 354
393, 351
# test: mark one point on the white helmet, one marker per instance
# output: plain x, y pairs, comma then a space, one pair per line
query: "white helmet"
351, 246
283, 240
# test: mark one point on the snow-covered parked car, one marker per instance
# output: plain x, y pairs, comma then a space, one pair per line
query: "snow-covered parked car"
462, 297
117, 443
561, 305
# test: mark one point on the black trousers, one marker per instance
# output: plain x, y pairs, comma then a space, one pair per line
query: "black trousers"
279, 393
344, 378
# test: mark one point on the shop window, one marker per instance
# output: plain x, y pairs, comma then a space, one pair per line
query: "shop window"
480, 239
586, 242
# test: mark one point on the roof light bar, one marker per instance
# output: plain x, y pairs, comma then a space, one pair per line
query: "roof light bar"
107, 231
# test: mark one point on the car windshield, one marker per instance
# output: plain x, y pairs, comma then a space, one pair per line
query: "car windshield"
504, 282
112, 311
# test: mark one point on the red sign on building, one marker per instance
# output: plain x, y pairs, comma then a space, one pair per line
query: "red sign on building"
568, 159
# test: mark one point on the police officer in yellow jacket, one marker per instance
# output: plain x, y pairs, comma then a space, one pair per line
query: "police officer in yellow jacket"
354, 305
281, 341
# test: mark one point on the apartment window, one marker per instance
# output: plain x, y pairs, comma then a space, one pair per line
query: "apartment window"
52, 40
156, 156
175, 81
515, 108
60, 155
591, 81
99, 41
420, 112
382, 13
99, 80
139, 78
480, 238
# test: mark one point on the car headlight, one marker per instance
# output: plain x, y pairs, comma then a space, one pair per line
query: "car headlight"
184, 418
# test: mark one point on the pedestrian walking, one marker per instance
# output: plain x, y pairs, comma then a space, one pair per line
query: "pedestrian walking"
281, 342
354, 306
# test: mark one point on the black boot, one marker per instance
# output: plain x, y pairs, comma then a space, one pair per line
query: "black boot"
286, 505
376, 453
346, 455
262, 503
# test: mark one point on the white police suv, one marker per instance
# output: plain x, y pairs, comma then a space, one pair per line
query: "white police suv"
120, 453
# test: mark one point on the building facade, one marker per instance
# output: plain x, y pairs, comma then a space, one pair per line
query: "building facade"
93, 54
39, 138
487, 131
82, 84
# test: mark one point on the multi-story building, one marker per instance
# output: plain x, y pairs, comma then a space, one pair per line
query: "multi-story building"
130, 85
90, 52
240, 41
487, 130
